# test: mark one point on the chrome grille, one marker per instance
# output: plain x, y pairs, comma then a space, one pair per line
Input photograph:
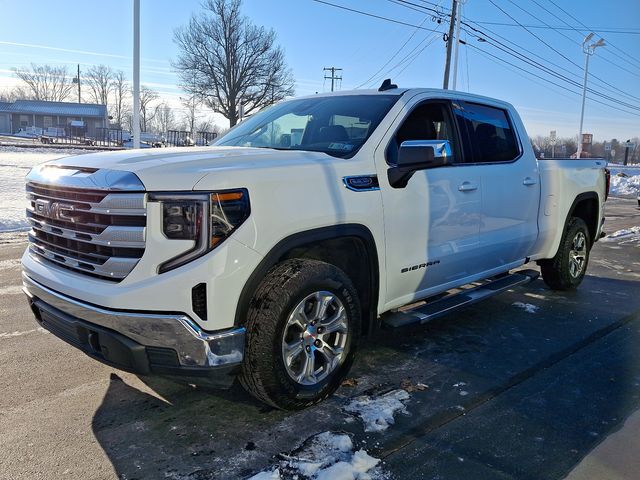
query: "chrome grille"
97, 232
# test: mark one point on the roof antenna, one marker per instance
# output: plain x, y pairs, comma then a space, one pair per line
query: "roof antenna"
387, 85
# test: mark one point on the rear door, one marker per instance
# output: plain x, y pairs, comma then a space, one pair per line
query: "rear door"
510, 184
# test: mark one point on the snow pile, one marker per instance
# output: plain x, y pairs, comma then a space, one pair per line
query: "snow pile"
15, 163
326, 456
377, 412
268, 475
626, 235
527, 307
625, 180
623, 186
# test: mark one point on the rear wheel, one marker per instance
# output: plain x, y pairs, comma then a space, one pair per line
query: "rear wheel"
566, 270
302, 330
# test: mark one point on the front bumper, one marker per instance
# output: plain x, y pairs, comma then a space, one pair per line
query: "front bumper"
139, 342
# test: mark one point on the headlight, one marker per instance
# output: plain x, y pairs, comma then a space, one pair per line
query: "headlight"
206, 218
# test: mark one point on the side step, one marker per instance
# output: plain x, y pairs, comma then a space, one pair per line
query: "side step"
448, 304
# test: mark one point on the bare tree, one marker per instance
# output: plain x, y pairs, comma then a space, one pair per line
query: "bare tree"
165, 118
206, 125
9, 95
147, 112
45, 82
120, 105
99, 79
191, 105
227, 61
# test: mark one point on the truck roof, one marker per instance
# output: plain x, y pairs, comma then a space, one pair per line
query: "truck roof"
414, 91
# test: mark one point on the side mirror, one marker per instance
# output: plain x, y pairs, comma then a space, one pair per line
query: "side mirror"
423, 154
415, 155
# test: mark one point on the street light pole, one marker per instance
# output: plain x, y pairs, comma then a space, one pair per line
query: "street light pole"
588, 49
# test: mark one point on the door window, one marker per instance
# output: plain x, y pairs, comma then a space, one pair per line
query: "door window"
428, 121
490, 135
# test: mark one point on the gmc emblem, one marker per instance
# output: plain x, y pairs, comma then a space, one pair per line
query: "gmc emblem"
54, 210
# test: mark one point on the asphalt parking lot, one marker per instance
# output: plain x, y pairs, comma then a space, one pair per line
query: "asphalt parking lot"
508, 394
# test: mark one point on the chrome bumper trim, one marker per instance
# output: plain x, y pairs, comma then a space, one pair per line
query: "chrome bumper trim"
194, 346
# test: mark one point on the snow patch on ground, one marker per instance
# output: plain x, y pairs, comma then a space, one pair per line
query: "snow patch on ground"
15, 163
19, 334
273, 475
626, 235
377, 412
527, 307
11, 290
9, 264
326, 456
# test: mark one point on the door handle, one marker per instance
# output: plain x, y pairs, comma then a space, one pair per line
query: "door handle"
529, 181
467, 187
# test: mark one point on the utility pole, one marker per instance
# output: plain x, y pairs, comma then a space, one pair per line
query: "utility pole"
588, 49
77, 80
455, 56
452, 24
333, 76
136, 73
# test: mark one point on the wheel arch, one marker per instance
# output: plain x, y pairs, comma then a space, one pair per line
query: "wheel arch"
350, 247
587, 207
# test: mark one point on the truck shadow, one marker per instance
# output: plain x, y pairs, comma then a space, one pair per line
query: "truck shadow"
517, 395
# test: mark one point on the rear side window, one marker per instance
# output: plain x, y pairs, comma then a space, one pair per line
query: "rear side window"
488, 132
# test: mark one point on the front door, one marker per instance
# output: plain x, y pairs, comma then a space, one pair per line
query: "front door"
432, 224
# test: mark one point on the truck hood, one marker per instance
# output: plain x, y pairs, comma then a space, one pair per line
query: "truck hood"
183, 167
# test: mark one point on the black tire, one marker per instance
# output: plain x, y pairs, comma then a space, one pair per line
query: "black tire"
264, 373
557, 272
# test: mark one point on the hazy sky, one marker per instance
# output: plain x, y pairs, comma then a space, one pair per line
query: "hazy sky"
316, 35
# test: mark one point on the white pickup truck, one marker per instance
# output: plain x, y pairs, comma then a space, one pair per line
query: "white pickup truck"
268, 255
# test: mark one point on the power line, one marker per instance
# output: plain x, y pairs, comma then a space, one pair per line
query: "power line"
420, 8
411, 56
612, 88
534, 35
520, 56
393, 56
605, 30
550, 46
517, 55
601, 80
342, 7
615, 90
549, 81
591, 29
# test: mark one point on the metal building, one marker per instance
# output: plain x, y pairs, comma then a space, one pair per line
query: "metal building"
25, 114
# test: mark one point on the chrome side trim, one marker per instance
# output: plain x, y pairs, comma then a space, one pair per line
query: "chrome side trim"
194, 346
85, 178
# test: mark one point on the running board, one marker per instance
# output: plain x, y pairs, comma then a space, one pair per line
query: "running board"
448, 304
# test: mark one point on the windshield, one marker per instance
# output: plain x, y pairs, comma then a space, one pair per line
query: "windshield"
336, 125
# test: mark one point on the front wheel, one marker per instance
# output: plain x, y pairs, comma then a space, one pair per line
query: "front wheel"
302, 330
566, 270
